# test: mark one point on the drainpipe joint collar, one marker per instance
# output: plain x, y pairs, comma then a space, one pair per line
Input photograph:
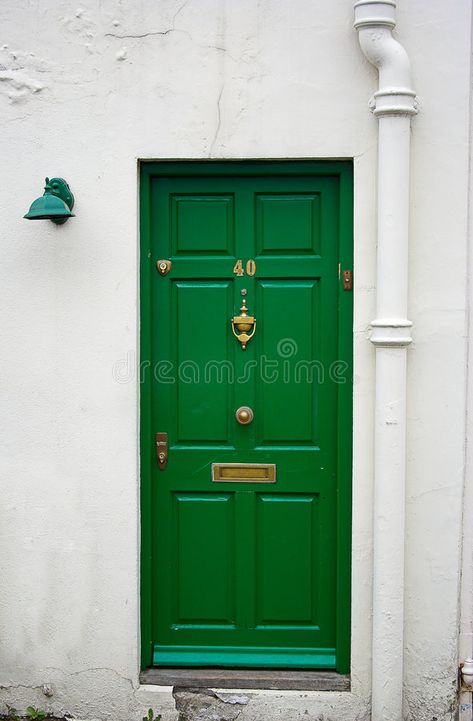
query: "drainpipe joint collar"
391, 332
369, 13
394, 101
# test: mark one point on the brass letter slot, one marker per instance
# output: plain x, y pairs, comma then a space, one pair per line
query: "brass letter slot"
244, 472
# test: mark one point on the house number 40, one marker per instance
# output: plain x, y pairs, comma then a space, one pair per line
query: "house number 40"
250, 267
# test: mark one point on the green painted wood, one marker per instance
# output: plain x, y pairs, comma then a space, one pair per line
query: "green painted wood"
205, 528
293, 305
202, 223
243, 573
147, 458
286, 551
249, 657
275, 213
201, 415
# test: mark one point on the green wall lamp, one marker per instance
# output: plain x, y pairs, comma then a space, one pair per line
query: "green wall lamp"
55, 204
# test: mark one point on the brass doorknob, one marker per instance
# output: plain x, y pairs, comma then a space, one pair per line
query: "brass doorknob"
244, 415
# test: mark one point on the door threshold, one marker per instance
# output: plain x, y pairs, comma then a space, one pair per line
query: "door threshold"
268, 679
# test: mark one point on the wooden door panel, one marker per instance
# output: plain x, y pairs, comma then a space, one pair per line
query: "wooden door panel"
286, 397
202, 224
204, 560
287, 550
201, 310
298, 212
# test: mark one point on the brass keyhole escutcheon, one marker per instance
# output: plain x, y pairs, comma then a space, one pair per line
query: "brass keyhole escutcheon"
163, 266
244, 415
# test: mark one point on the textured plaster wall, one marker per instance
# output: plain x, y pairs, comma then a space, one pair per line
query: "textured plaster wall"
86, 90
466, 624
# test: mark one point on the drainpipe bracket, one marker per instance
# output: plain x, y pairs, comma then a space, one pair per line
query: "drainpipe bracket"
391, 332
466, 673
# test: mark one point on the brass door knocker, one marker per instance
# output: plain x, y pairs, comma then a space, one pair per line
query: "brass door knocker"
244, 323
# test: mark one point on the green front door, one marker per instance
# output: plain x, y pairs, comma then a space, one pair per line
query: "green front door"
246, 565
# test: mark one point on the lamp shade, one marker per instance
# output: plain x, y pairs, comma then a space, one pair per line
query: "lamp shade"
56, 203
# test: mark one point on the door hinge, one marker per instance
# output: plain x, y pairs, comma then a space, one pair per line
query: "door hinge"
347, 280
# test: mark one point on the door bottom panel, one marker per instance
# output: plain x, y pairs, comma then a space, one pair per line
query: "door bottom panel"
248, 656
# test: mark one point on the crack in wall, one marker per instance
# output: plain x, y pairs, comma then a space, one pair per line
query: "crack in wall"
219, 121
145, 35
178, 12
155, 33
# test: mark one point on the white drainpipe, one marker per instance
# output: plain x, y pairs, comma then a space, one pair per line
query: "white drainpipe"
393, 104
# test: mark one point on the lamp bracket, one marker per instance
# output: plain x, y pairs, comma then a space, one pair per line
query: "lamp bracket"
60, 188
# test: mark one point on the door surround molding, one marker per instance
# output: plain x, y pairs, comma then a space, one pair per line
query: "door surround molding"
343, 170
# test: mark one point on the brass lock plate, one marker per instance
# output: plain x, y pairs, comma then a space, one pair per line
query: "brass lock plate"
244, 472
162, 450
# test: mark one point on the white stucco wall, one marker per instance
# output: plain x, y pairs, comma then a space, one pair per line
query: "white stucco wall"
87, 90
